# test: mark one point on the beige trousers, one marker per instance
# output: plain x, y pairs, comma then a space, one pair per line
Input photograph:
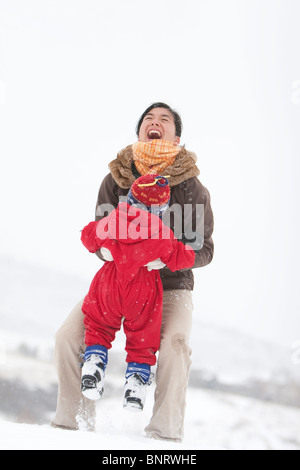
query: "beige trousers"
74, 411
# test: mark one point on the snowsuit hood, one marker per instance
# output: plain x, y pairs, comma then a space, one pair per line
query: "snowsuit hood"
130, 225
135, 238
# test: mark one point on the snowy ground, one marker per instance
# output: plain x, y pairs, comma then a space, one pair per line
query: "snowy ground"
215, 421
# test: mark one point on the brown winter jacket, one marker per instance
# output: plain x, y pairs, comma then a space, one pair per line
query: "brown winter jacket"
185, 189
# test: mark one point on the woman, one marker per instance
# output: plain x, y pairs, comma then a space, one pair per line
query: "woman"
159, 130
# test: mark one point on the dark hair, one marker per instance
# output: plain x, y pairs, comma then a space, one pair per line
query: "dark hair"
177, 118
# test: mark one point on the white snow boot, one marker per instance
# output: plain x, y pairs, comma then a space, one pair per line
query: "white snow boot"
93, 372
135, 391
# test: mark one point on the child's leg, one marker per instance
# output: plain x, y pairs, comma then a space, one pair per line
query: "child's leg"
99, 351
101, 324
143, 370
137, 380
142, 326
93, 371
142, 345
102, 309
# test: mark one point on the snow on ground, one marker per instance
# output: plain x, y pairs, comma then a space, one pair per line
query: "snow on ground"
215, 421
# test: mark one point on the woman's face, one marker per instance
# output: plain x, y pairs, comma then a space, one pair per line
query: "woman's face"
158, 124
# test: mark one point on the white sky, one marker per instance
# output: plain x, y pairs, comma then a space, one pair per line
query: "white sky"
74, 78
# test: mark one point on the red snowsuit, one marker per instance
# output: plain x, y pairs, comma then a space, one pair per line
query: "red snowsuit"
125, 287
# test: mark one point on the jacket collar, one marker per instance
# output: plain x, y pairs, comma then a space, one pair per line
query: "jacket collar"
183, 168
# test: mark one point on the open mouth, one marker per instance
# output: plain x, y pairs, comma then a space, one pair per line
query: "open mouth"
154, 134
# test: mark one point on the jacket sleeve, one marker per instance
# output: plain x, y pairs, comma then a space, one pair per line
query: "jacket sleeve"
200, 220
107, 201
108, 198
89, 237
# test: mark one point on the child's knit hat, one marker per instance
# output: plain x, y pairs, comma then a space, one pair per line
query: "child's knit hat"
151, 193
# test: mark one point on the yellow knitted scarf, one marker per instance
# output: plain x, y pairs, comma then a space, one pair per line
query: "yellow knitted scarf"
155, 156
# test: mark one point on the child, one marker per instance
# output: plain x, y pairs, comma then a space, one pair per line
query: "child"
132, 236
